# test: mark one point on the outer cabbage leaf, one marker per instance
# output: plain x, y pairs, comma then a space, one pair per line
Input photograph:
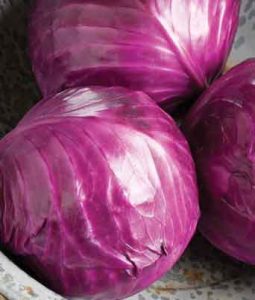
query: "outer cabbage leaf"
170, 49
99, 194
221, 131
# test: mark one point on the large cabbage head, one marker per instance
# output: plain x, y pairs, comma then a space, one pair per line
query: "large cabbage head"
170, 49
98, 192
221, 132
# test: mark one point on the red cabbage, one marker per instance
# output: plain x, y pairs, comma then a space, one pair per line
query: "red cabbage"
221, 131
98, 192
170, 49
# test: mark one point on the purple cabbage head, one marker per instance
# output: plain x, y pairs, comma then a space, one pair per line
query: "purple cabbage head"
221, 131
170, 49
98, 192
